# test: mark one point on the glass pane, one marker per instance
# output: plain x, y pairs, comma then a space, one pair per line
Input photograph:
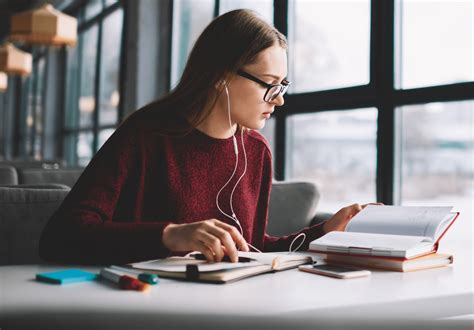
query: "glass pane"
69, 148
337, 150
328, 44
72, 83
269, 132
436, 141
86, 94
110, 2
38, 116
263, 7
28, 108
190, 17
84, 148
93, 8
435, 43
104, 135
109, 71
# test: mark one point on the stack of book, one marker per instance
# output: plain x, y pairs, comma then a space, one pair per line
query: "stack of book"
390, 237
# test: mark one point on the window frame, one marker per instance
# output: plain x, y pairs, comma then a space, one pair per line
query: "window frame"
69, 151
379, 93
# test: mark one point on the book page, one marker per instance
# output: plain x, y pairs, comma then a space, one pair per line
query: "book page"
436, 232
399, 220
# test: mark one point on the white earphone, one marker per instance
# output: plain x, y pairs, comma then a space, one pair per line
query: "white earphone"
233, 217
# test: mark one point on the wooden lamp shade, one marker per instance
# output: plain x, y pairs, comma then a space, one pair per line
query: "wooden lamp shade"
14, 61
45, 26
3, 81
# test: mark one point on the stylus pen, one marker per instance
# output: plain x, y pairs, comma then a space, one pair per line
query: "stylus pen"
144, 277
124, 282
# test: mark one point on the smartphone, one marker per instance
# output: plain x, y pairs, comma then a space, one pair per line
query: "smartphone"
334, 271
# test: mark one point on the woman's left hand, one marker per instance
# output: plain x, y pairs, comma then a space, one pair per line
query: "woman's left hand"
339, 221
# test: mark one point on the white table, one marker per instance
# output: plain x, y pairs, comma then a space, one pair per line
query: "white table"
290, 299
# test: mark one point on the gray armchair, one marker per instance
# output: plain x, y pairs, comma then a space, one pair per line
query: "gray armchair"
67, 176
292, 206
12, 173
8, 175
24, 211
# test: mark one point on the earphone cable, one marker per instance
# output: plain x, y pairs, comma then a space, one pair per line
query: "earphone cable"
233, 217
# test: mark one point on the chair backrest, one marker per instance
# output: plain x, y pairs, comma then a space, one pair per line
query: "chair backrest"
24, 211
8, 175
66, 176
292, 206
47, 163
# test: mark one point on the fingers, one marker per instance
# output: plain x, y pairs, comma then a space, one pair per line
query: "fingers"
226, 240
236, 236
213, 243
201, 247
222, 238
213, 238
352, 210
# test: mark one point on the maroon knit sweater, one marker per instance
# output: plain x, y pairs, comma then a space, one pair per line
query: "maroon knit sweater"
140, 181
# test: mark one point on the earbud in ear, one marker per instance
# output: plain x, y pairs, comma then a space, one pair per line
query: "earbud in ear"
224, 82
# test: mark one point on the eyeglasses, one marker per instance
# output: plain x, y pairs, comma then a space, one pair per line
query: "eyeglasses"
273, 91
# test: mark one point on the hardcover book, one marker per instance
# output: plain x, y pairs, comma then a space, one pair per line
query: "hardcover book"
390, 231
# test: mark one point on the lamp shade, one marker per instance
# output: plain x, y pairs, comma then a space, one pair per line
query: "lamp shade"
45, 26
3, 81
14, 61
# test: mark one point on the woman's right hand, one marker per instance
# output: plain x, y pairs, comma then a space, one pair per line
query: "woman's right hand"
213, 238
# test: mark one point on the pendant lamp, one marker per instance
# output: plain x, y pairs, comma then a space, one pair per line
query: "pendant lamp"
44, 26
14, 61
3, 81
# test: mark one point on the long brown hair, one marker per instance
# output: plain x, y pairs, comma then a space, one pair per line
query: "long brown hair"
229, 42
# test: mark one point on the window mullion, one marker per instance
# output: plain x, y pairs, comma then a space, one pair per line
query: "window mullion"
280, 20
97, 89
382, 78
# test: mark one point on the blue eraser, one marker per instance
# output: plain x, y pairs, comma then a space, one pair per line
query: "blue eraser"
66, 276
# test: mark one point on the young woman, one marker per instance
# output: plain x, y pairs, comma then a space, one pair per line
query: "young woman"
189, 172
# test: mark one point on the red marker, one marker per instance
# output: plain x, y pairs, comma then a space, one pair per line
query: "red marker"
124, 282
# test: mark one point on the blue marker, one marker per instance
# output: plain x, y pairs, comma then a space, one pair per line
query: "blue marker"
144, 277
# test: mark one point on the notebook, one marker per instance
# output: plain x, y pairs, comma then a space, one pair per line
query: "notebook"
192, 268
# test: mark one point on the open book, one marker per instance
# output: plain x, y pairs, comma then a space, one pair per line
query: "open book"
192, 268
391, 231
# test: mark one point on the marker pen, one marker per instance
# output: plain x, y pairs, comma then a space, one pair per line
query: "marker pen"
144, 277
124, 282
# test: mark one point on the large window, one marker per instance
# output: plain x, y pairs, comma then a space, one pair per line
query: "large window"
328, 44
336, 149
263, 7
190, 17
93, 71
435, 43
31, 109
436, 158
380, 108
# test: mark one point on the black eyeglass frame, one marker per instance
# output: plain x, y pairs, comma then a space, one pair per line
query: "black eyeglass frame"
283, 86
